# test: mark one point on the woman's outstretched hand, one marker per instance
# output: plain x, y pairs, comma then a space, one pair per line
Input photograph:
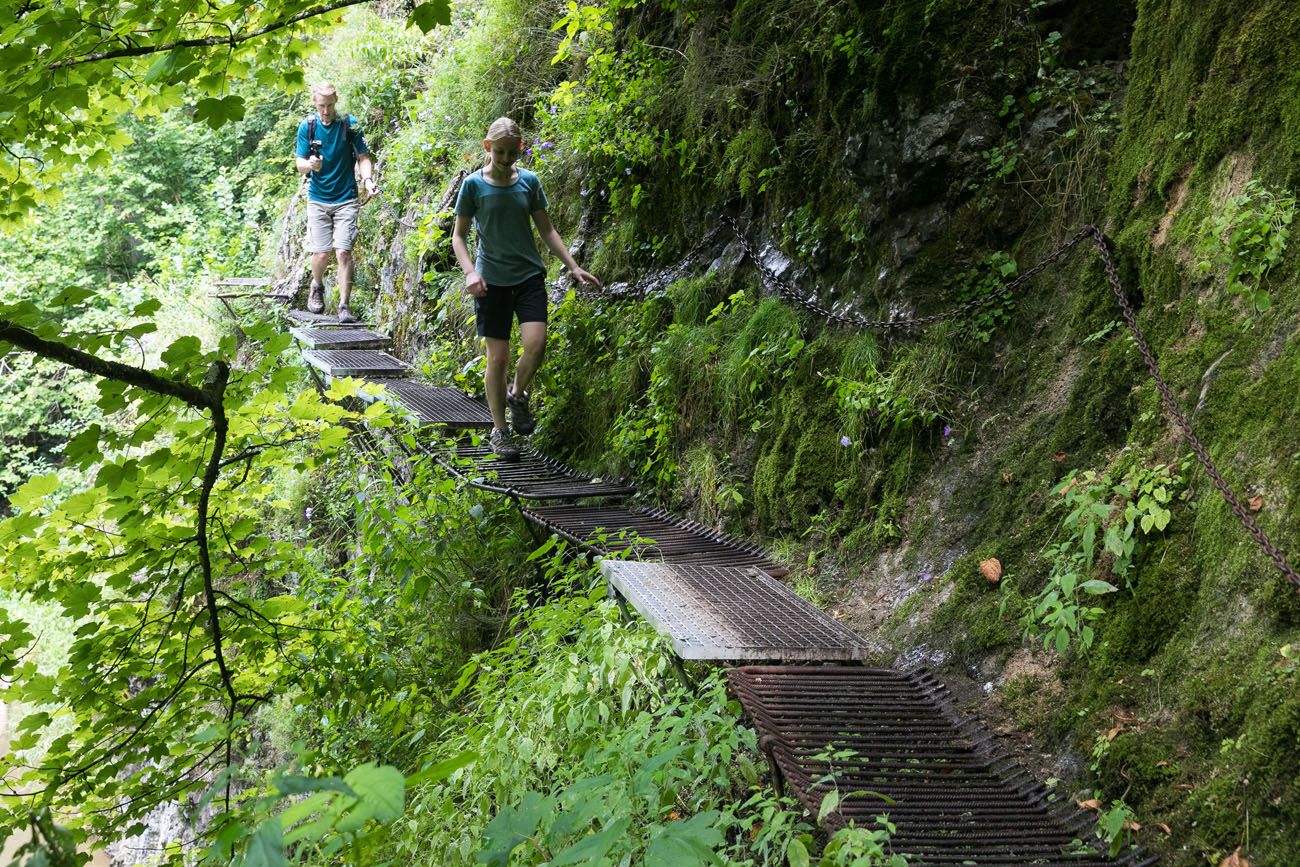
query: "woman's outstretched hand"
586, 278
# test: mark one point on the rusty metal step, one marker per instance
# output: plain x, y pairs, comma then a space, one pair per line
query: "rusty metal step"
730, 613
649, 534
355, 362
426, 404
956, 799
340, 338
533, 477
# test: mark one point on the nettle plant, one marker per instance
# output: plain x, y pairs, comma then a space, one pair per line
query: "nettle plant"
1103, 521
1248, 236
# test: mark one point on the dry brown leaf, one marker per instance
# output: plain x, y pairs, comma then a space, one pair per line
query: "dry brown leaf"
1058, 457
1184, 787
1090, 804
1130, 825
1006, 478
1256, 502
1163, 763
1122, 717
1236, 859
1163, 827
1110, 735
991, 569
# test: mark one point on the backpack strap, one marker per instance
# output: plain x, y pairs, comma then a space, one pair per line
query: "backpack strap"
347, 132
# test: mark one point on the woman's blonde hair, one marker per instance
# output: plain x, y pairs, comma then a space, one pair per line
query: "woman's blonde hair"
504, 127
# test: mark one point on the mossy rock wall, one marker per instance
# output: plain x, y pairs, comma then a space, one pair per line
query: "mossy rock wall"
879, 155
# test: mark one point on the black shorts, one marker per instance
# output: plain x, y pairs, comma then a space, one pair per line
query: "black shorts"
495, 313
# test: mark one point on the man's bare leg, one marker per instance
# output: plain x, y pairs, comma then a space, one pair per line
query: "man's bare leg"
346, 267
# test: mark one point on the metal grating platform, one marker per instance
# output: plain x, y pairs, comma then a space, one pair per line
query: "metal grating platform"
340, 338
650, 534
355, 362
431, 404
730, 613
533, 477
956, 798
324, 320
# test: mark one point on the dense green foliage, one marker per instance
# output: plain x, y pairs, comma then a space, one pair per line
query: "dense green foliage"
437, 693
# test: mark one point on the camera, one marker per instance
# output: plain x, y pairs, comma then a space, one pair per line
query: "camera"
313, 149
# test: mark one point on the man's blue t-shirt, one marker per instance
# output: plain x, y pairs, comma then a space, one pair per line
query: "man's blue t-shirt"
336, 180
503, 223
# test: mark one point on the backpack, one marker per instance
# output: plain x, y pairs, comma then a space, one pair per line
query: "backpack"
347, 132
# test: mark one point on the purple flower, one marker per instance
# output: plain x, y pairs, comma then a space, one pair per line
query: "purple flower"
947, 430
536, 140
627, 171
547, 145
307, 513
845, 441
926, 577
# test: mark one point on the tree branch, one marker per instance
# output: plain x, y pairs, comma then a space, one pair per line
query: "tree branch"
208, 41
93, 364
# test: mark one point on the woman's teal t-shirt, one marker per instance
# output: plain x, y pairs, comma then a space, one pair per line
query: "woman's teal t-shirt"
503, 225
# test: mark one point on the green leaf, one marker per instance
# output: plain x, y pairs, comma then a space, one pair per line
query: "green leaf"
830, 801
429, 15
686, 844
218, 112
266, 847
592, 849
442, 770
381, 788
512, 826
180, 350
1097, 587
796, 853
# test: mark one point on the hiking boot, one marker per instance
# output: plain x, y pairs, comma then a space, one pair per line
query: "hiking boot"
316, 298
345, 315
503, 446
521, 417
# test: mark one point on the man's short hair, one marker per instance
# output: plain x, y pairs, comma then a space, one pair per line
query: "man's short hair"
323, 88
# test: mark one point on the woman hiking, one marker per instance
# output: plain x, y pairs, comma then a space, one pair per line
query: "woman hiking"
508, 279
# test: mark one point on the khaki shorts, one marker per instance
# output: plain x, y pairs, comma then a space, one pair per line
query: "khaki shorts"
331, 227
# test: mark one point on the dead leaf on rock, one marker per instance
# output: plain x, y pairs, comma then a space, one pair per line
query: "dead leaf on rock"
991, 569
1256, 502
1236, 859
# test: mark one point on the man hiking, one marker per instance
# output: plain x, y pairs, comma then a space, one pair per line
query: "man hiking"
329, 149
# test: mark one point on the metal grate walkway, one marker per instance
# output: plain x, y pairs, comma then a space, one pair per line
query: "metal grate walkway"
355, 362
436, 405
340, 338
726, 613
533, 477
868, 733
323, 320
649, 534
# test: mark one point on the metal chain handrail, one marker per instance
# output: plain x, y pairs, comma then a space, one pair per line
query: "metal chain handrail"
1099, 239
1171, 406
789, 293
1089, 231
